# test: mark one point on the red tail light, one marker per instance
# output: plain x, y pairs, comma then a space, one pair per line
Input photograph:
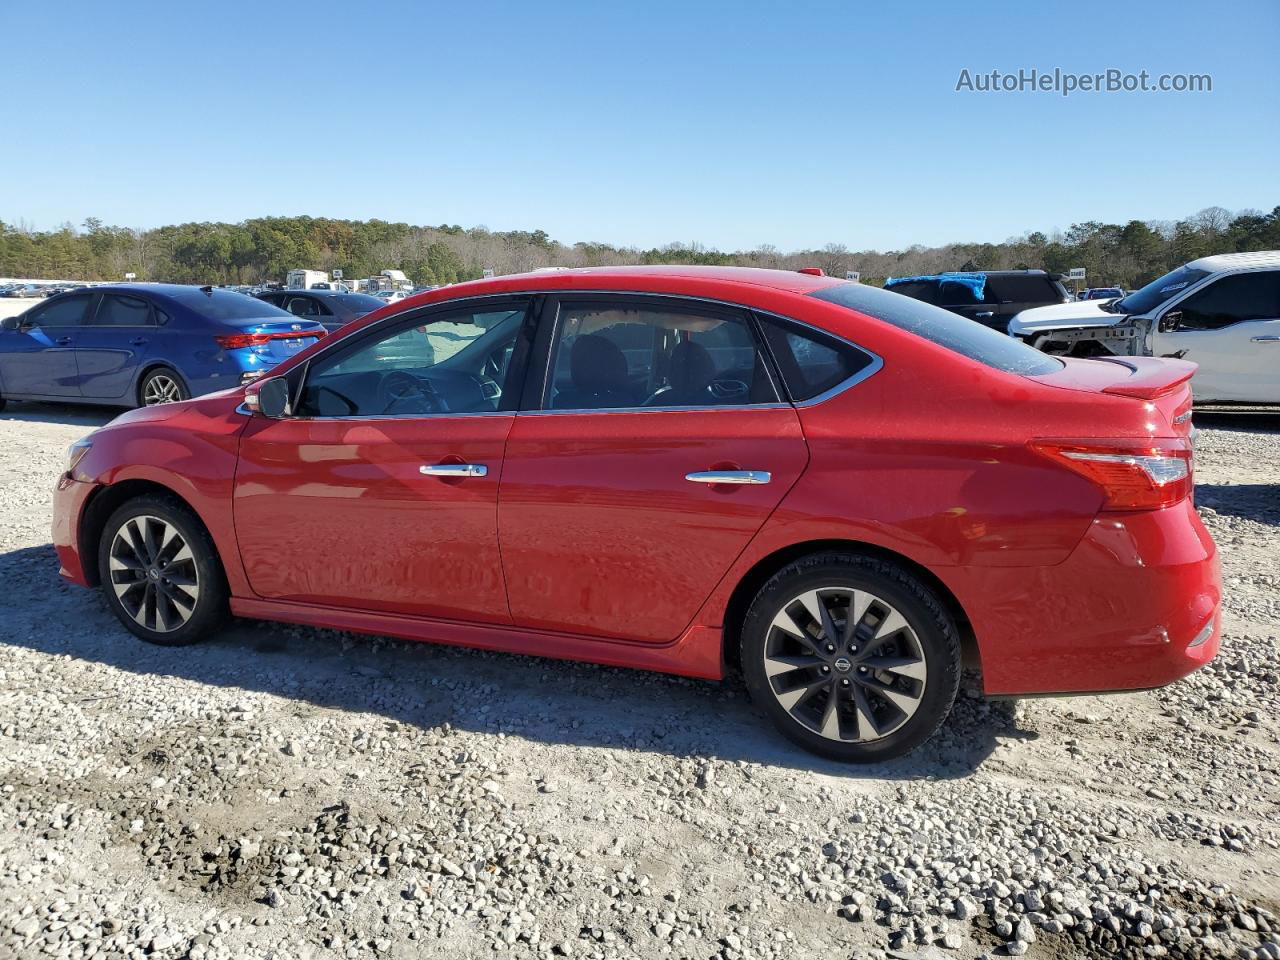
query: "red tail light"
236, 341
1133, 475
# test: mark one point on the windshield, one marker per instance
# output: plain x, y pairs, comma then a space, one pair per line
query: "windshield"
1158, 291
958, 334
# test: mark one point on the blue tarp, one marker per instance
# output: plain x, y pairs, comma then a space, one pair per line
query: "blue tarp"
976, 282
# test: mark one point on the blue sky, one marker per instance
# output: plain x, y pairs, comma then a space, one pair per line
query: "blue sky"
731, 124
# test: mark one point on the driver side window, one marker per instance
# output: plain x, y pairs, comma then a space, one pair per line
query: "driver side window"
458, 362
1231, 300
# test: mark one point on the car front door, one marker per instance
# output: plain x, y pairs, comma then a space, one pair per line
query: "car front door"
380, 491
112, 343
38, 353
1231, 328
658, 448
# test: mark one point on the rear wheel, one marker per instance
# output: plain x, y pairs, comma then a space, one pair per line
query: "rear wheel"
851, 657
161, 573
162, 385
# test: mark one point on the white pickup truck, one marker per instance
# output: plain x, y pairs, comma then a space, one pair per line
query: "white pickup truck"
1222, 312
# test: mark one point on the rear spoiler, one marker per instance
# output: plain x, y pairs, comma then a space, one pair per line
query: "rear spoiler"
1150, 377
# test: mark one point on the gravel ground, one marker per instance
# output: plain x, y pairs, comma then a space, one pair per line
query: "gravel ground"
285, 792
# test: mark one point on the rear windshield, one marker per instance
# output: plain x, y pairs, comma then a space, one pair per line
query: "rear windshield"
359, 301
958, 334
225, 305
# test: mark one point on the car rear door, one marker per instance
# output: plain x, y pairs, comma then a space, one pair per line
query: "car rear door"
112, 343
380, 492
1231, 328
38, 358
655, 447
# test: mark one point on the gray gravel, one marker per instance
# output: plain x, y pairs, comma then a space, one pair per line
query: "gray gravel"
285, 792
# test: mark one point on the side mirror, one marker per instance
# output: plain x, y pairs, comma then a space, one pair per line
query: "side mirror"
10, 323
1171, 321
273, 398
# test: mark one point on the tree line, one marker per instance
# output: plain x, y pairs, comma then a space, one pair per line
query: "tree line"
265, 248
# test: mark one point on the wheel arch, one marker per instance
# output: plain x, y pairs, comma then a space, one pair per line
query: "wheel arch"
103, 503
759, 574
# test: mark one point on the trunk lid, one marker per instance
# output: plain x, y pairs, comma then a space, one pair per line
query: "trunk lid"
288, 337
1163, 384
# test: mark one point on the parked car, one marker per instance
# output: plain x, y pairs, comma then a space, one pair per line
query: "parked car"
143, 344
710, 466
1222, 312
991, 297
390, 296
333, 308
28, 291
1101, 293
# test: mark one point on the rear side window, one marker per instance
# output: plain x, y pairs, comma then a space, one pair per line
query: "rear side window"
116, 311
1027, 289
952, 331
811, 362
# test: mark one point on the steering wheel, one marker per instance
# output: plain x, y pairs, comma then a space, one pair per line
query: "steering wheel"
416, 394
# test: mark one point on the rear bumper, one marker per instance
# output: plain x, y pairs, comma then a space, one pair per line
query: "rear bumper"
69, 499
1135, 606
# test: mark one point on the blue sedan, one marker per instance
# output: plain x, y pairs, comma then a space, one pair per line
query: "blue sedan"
141, 344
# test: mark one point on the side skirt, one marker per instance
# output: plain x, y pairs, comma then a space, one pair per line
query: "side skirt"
695, 654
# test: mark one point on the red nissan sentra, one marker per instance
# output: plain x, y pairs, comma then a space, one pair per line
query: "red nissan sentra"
679, 468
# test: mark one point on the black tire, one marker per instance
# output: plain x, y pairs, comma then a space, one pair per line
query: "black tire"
209, 609
932, 638
175, 387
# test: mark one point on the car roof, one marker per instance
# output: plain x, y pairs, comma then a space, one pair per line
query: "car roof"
640, 278
1237, 261
314, 292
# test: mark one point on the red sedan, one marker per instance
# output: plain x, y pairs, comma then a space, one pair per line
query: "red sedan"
834, 487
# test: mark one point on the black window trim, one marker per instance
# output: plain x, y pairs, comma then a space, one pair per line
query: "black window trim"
517, 376
537, 386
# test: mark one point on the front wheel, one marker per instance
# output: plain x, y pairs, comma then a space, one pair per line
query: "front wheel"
162, 385
160, 572
852, 657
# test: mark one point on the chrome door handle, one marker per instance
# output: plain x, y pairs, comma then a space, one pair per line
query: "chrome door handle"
63, 341
1266, 339
454, 470
730, 476
987, 313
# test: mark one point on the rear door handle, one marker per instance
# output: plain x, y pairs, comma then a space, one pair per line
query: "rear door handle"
986, 313
453, 470
1266, 339
137, 341
63, 341
729, 476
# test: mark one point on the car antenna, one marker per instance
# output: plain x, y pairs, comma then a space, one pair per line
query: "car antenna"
208, 290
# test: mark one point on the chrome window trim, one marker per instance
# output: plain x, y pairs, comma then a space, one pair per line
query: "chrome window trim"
590, 411
870, 370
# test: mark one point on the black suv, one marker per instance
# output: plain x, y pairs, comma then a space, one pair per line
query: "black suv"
991, 297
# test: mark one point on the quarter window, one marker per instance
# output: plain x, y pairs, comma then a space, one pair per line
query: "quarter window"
1233, 299
116, 311
811, 362
458, 362
625, 353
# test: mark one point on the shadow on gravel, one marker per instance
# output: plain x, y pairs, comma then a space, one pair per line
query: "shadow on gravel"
64, 413
1249, 421
1252, 501
544, 700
